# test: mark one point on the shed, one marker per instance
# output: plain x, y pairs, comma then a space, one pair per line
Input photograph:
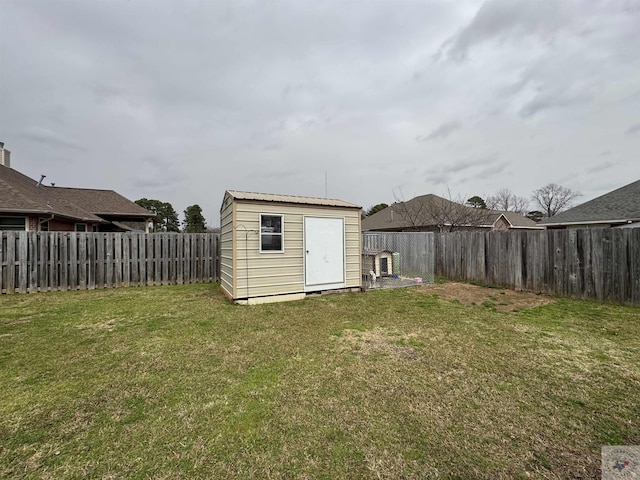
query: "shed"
283, 247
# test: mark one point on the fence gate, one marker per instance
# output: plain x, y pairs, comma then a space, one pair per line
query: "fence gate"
397, 259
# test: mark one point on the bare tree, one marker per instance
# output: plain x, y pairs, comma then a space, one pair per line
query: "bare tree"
554, 198
431, 212
506, 200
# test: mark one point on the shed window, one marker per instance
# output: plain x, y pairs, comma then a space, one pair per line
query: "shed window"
271, 233
81, 227
12, 223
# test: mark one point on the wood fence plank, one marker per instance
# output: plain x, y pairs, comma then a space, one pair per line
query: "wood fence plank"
92, 243
11, 262
519, 247
164, 254
23, 264
82, 260
193, 260
43, 262
572, 267
63, 253
54, 261
622, 264
186, 272
3, 262
148, 259
173, 259
219, 256
608, 259
73, 260
180, 259
586, 263
110, 263
157, 257
33, 260
126, 259
117, 257
101, 260
528, 262
634, 265
142, 259
199, 249
206, 255
135, 259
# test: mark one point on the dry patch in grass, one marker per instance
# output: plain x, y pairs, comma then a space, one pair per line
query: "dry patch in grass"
379, 341
502, 299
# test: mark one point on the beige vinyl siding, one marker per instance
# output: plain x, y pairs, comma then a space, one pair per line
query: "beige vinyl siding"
353, 249
276, 273
226, 246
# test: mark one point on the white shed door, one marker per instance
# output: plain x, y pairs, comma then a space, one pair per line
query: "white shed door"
324, 253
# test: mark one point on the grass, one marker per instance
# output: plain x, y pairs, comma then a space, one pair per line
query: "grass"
174, 382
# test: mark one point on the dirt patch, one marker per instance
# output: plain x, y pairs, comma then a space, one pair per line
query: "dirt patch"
498, 298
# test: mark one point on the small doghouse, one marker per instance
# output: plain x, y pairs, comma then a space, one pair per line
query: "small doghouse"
380, 262
283, 247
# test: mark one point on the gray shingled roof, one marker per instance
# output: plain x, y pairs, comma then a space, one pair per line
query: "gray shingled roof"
99, 202
519, 221
619, 206
21, 194
397, 216
268, 197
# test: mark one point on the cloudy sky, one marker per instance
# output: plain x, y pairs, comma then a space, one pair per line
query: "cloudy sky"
180, 100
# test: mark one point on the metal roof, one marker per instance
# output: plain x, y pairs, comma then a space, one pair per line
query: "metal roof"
372, 252
269, 197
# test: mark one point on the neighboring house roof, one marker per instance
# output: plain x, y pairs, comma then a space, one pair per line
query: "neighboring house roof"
410, 214
619, 206
516, 220
21, 194
100, 202
268, 197
428, 211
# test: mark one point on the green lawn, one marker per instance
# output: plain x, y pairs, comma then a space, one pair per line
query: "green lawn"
175, 382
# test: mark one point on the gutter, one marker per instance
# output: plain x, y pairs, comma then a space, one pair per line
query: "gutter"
596, 222
40, 222
22, 210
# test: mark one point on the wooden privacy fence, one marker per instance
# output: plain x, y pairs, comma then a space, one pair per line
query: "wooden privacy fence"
598, 264
45, 261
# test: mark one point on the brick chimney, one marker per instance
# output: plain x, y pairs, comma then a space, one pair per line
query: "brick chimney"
5, 156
